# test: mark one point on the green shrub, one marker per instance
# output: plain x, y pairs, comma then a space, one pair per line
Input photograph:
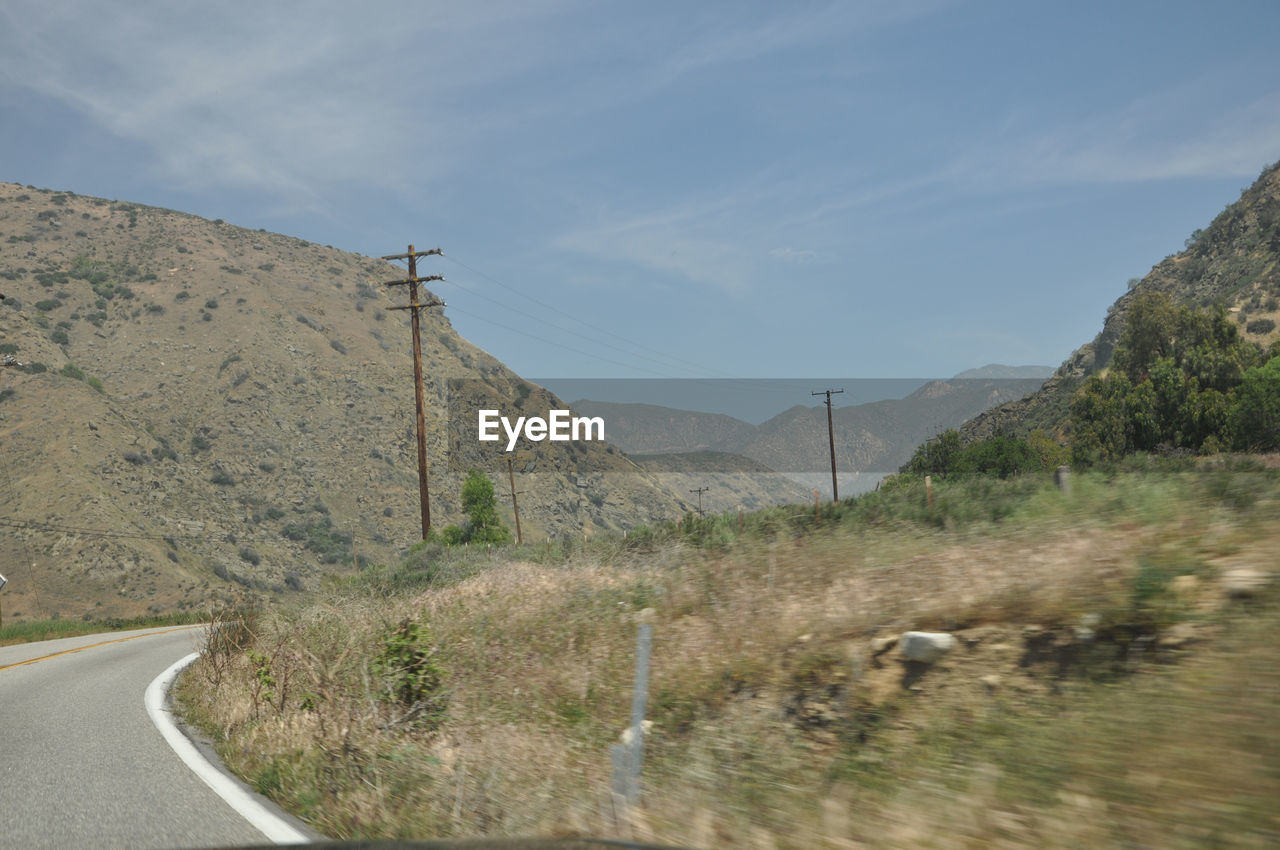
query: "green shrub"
1260, 326
409, 675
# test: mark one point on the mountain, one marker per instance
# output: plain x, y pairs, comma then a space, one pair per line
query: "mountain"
997, 370
653, 429
875, 437
878, 436
1234, 263
195, 408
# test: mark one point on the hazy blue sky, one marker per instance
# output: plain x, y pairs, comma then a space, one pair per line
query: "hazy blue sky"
876, 189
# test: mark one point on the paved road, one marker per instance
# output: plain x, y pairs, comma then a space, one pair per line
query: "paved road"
81, 763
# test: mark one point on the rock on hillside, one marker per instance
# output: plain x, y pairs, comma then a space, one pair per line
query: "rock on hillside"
204, 408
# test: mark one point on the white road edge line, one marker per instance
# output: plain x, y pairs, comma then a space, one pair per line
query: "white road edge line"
250, 809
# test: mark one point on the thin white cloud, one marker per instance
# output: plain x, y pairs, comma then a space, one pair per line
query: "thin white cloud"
280, 97
794, 255
1155, 137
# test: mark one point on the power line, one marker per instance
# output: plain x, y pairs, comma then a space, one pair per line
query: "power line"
688, 365
563, 329
583, 322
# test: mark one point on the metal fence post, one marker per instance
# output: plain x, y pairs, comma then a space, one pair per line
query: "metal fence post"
628, 758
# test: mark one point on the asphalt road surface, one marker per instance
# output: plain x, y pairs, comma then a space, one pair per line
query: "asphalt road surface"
81, 762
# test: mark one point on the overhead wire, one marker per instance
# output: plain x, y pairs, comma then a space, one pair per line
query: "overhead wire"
731, 381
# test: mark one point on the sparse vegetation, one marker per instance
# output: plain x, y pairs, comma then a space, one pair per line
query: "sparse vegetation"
776, 718
483, 525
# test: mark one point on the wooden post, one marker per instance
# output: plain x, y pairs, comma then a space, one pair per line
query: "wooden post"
817, 506
511, 477
928, 490
831, 439
414, 307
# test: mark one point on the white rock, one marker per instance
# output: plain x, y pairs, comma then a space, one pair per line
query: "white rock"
1243, 582
881, 645
926, 647
628, 735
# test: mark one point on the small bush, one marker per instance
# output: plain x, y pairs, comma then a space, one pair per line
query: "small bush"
1255, 326
71, 370
409, 675
250, 555
222, 478
48, 304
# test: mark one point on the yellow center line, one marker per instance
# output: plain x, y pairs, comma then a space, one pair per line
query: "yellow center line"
92, 645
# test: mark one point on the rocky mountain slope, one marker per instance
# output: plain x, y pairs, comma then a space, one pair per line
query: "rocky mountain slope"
1234, 262
192, 408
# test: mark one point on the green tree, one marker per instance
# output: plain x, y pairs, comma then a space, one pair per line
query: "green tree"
1255, 418
483, 524
936, 456
1171, 385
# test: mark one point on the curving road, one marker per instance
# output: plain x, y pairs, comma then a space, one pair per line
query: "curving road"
81, 762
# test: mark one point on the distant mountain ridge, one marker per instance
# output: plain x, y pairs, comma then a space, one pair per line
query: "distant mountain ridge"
997, 370
873, 437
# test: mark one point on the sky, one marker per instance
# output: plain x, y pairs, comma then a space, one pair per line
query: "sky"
673, 190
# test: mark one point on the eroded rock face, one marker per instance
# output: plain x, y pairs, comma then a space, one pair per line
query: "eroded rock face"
926, 647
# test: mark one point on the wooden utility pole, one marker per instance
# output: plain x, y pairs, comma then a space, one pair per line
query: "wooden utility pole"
831, 438
413, 306
511, 477
700, 491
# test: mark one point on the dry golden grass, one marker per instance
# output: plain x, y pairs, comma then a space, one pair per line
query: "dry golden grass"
775, 724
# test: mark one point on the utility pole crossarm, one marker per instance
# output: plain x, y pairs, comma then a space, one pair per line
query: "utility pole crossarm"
412, 253
429, 277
